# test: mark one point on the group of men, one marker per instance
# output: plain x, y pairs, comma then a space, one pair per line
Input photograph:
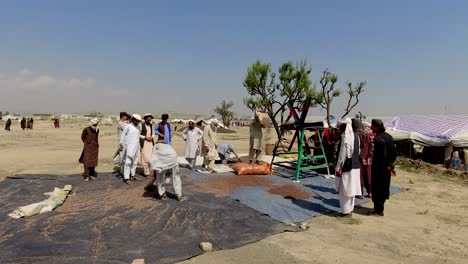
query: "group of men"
140, 142
364, 164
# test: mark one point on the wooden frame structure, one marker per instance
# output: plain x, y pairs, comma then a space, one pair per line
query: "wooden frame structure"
304, 156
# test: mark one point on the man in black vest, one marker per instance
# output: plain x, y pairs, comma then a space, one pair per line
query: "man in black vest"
146, 144
163, 130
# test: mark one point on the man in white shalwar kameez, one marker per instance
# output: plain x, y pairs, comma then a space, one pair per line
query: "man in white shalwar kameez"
123, 122
130, 141
146, 143
348, 178
209, 146
165, 165
192, 135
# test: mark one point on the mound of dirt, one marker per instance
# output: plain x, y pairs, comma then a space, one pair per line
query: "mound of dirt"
224, 185
290, 191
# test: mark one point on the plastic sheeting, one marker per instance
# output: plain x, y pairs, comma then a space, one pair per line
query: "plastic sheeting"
105, 221
431, 130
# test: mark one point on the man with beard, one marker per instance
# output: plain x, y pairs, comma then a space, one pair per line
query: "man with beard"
192, 136
146, 143
383, 159
209, 145
89, 155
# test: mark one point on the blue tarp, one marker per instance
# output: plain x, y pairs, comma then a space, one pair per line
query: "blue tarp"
324, 198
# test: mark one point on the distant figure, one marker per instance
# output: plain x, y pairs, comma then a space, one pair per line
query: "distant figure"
192, 136
130, 142
348, 178
8, 124
31, 123
209, 146
28, 123
383, 159
163, 130
23, 123
164, 164
90, 154
224, 151
146, 143
256, 139
365, 157
57, 123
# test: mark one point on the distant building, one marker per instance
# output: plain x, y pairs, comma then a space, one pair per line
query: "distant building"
94, 115
42, 116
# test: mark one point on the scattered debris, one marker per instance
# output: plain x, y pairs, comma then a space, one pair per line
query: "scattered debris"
304, 226
411, 181
423, 212
138, 261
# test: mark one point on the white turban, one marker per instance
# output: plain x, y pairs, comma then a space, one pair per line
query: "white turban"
94, 122
348, 136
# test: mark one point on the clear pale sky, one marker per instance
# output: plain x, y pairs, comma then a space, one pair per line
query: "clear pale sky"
186, 56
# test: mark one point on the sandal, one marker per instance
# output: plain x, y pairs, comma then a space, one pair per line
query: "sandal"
126, 181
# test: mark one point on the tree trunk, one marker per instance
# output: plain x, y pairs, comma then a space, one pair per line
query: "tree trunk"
328, 115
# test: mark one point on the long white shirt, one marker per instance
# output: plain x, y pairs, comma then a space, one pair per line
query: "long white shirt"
256, 135
130, 139
120, 128
349, 184
191, 137
209, 140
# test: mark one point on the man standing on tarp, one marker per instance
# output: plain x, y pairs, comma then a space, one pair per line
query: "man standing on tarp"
146, 143
348, 183
383, 159
192, 136
365, 156
90, 153
130, 141
209, 146
163, 130
123, 122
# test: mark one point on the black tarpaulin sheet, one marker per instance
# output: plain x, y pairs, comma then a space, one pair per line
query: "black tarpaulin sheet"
106, 221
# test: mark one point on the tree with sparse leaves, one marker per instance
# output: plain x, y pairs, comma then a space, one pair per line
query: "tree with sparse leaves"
329, 92
272, 95
224, 111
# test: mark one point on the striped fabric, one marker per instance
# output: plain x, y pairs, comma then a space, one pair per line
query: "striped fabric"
445, 127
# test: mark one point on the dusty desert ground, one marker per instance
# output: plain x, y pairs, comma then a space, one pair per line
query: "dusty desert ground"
427, 223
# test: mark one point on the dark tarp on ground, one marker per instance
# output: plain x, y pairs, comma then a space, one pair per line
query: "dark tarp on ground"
99, 226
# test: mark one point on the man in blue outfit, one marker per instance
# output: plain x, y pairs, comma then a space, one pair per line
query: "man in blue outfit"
163, 130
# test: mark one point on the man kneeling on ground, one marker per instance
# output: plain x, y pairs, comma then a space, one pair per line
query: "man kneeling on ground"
164, 165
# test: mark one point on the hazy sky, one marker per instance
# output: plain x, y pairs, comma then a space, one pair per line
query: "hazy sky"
186, 56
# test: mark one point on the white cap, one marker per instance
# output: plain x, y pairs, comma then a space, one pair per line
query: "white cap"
137, 117
94, 122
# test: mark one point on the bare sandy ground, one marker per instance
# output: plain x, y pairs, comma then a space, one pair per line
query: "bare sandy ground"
428, 223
